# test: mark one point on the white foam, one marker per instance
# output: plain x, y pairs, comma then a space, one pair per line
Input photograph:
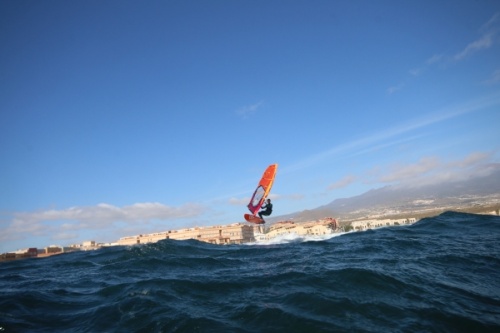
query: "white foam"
292, 238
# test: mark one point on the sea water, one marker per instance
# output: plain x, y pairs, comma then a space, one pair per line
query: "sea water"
440, 274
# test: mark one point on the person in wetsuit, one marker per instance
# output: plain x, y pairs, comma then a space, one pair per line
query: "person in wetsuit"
267, 209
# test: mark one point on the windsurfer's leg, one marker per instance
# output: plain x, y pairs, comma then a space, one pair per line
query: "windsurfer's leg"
265, 213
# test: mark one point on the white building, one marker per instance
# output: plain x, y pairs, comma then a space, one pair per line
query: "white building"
373, 223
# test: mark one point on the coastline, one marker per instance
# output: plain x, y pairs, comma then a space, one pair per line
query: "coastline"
239, 233
39, 256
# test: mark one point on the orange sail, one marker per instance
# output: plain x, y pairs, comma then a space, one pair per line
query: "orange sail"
263, 189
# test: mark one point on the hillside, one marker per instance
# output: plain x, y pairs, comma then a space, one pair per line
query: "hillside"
391, 200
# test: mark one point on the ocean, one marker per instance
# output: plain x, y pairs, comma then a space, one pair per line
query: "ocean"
441, 274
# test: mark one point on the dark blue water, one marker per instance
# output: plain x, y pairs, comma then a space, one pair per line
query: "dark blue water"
441, 274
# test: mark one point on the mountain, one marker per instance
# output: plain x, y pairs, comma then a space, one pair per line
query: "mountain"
404, 199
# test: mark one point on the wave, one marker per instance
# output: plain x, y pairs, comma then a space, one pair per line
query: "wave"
439, 274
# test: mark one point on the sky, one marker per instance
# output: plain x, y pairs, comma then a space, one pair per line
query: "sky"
120, 118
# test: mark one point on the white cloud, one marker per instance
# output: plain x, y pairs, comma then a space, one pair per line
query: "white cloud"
248, 110
471, 160
393, 89
489, 31
344, 182
405, 172
434, 59
482, 43
105, 213
431, 170
66, 223
416, 71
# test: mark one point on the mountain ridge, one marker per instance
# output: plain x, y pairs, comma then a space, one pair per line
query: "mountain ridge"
399, 199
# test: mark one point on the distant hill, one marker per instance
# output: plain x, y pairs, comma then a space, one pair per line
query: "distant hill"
411, 198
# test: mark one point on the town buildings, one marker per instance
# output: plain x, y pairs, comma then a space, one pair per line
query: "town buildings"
237, 233
379, 223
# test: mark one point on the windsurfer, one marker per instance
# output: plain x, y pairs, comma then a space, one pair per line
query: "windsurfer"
267, 209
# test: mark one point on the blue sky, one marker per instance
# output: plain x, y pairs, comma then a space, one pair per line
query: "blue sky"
127, 117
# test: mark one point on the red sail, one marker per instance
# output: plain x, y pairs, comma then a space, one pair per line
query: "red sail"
263, 189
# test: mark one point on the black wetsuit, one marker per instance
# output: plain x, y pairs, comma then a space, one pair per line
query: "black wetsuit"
268, 210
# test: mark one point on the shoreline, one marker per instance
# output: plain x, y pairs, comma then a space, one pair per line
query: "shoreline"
410, 216
39, 256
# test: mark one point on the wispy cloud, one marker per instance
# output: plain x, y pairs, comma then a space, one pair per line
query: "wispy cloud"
249, 110
415, 71
344, 182
489, 31
239, 202
488, 35
404, 172
482, 43
382, 138
393, 89
492, 23
388, 143
494, 78
434, 59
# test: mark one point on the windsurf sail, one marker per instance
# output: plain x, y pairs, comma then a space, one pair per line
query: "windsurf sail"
263, 189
